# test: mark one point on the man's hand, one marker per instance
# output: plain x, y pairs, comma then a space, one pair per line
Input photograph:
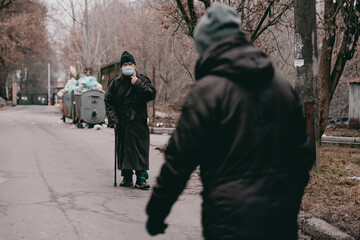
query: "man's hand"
115, 126
133, 78
155, 227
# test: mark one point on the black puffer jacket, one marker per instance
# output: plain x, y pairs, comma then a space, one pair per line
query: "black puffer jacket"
244, 126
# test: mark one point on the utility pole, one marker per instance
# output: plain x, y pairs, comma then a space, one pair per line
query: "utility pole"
49, 101
154, 101
306, 65
14, 92
87, 69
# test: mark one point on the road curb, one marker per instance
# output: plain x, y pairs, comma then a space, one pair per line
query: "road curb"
318, 229
340, 141
352, 141
157, 130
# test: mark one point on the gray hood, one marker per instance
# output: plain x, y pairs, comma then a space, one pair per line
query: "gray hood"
236, 59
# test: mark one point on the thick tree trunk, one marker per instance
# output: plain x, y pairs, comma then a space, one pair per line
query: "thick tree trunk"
306, 55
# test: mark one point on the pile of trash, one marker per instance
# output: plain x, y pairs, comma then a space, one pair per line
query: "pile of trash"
166, 120
81, 85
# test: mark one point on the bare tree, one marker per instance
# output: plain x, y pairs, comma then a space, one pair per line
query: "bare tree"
88, 42
156, 39
23, 36
135, 27
341, 34
257, 16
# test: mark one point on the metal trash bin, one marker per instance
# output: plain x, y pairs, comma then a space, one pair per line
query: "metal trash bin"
68, 105
90, 107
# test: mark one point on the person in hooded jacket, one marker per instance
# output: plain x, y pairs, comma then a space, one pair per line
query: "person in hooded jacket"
244, 126
126, 106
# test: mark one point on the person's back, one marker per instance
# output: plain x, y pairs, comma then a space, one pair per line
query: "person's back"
252, 170
244, 126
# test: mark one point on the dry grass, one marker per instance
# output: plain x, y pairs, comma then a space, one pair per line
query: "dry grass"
331, 194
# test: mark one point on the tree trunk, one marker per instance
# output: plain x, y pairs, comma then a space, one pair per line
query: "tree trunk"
306, 57
324, 74
3, 77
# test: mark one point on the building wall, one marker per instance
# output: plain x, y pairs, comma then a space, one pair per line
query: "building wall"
339, 106
354, 100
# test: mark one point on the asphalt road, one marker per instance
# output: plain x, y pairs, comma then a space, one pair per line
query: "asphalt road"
56, 182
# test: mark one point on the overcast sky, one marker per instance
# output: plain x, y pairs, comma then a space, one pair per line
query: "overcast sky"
57, 15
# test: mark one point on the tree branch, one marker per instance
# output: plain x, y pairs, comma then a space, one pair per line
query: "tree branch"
193, 16
240, 8
266, 13
278, 49
183, 12
271, 23
162, 78
348, 45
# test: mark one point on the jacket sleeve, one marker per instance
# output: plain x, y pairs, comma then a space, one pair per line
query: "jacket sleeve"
143, 84
182, 154
110, 103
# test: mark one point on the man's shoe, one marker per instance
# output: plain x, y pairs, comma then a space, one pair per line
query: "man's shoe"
126, 182
141, 184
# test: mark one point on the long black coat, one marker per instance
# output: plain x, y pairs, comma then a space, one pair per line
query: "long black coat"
126, 106
244, 126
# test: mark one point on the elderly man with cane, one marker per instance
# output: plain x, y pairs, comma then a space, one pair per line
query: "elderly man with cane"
126, 105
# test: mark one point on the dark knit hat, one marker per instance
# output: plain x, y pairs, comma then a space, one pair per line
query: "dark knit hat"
219, 22
126, 57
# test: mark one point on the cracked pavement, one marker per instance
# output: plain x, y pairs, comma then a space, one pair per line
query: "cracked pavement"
56, 182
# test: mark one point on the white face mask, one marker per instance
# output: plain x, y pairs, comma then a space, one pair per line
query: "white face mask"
127, 71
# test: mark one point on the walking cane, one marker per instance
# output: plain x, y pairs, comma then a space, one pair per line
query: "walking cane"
116, 150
